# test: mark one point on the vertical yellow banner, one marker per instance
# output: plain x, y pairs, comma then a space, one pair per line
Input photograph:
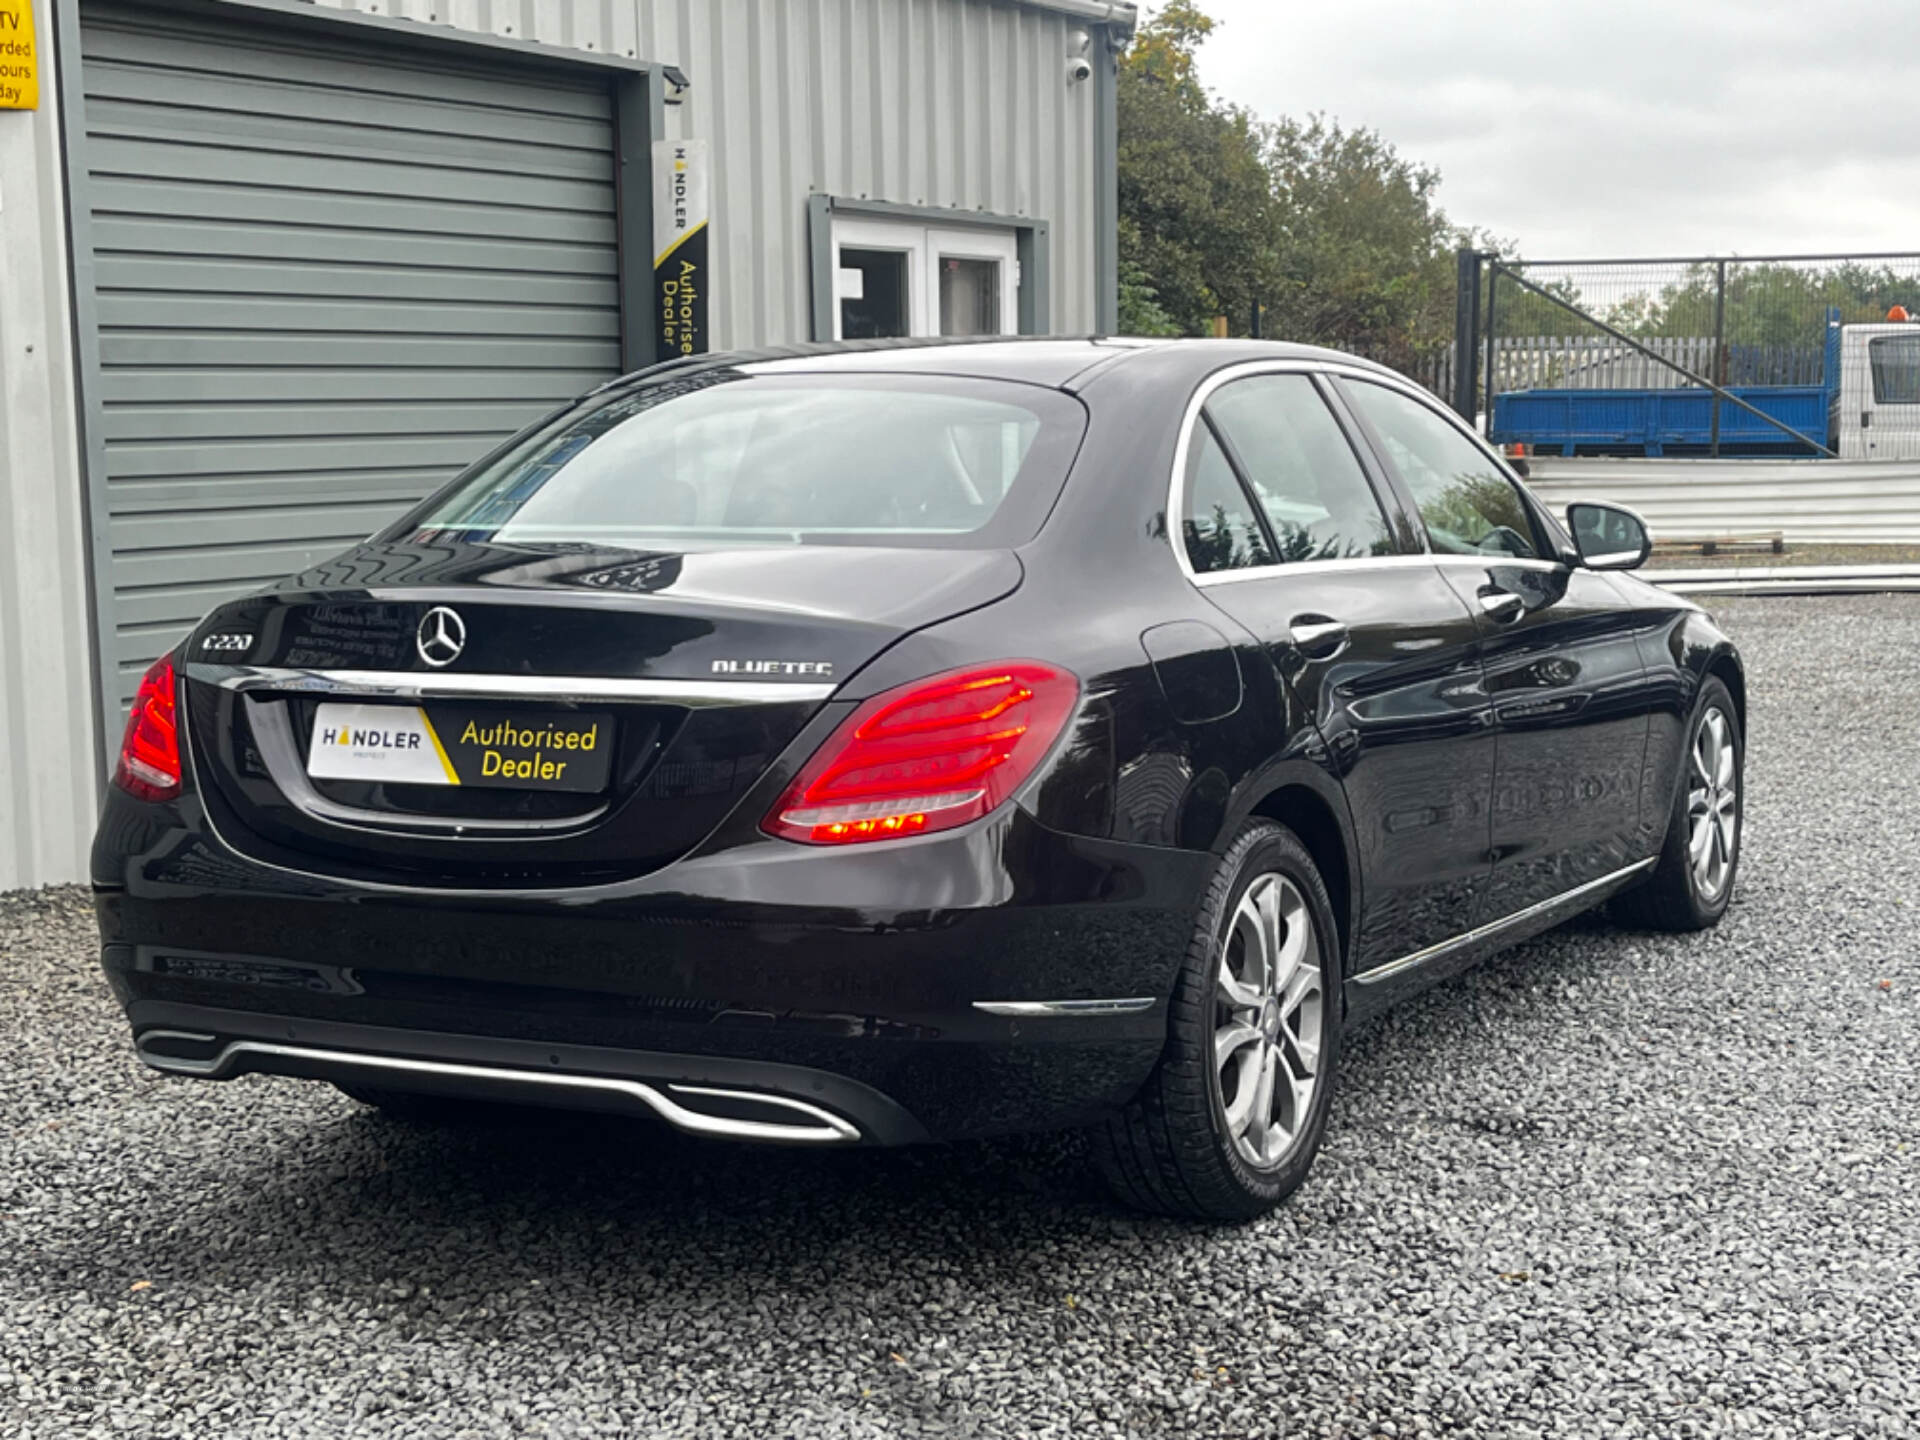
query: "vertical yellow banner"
19, 64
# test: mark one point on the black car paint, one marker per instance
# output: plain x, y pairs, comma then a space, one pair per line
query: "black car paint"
1570, 712
553, 611
727, 948
1402, 713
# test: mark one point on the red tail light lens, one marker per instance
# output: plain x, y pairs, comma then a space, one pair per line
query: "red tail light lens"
928, 756
149, 767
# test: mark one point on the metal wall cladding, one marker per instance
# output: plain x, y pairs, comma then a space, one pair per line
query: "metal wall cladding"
323, 283
247, 431
49, 760
961, 104
610, 27
1804, 501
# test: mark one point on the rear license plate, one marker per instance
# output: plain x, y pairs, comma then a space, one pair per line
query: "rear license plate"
461, 745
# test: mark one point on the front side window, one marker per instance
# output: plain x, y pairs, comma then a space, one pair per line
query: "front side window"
1896, 369
1469, 505
730, 457
1302, 470
1221, 530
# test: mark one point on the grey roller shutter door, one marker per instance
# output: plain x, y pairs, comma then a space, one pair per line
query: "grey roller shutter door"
327, 274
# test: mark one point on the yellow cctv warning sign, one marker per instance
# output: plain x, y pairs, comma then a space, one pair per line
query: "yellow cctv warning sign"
19, 63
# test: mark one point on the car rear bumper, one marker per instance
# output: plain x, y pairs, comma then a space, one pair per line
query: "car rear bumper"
709, 1095
782, 992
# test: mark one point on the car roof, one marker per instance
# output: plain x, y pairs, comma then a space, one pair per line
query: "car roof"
1057, 361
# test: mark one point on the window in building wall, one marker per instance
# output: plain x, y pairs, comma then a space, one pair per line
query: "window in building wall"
903, 278
969, 296
874, 296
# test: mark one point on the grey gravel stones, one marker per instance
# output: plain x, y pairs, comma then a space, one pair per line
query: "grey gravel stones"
1611, 1184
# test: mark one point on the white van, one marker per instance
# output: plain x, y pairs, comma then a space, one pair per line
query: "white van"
1877, 412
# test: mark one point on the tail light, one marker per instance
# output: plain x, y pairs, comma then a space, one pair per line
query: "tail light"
928, 756
149, 767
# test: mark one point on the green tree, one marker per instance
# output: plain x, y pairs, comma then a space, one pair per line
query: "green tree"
1769, 303
1366, 255
1196, 200
1140, 311
1336, 234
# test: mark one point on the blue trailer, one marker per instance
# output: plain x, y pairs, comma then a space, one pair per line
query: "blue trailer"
1670, 421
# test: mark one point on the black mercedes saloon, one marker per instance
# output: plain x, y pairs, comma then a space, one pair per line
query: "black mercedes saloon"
847, 746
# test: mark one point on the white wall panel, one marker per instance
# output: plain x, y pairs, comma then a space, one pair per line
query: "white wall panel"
953, 103
603, 25
47, 750
962, 104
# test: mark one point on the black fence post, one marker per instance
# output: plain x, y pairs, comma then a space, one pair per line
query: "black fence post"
1719, 371
1466, 321
1493, 294
1254, 328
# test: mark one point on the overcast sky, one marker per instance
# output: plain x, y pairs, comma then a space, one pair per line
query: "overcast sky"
1615, 127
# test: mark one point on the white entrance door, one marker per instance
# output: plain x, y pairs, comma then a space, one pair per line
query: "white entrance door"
902, 278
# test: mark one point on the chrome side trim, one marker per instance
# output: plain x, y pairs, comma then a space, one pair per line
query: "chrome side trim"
397, 684
1208, 579
1376, 562
820, 1127
1492, 929
1505, 562
1065, 1009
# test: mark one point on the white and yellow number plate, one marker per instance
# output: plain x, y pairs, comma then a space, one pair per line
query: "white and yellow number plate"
461, 745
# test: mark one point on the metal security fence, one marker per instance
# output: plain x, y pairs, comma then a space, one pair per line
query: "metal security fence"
1433, 369
1766, 356
1597, 362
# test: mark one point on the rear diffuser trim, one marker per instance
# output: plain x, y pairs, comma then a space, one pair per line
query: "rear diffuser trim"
814, 1126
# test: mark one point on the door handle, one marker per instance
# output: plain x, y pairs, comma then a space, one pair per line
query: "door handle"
1503, 605
1316, 636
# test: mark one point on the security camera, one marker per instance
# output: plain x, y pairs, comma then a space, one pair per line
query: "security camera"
1079, 68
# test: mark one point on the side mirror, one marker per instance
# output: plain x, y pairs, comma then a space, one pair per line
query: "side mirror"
1609, 537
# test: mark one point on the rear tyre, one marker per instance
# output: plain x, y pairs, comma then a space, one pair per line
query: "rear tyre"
1228, 1124
1693, 881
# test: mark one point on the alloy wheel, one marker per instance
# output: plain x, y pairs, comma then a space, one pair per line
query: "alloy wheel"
1713, 810
1269, 999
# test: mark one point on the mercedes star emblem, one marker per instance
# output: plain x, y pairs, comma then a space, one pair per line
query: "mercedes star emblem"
441, 637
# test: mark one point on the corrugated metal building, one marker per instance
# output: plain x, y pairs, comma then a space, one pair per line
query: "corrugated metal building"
274, 268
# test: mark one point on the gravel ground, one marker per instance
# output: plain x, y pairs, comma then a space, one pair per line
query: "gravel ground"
1608, 1185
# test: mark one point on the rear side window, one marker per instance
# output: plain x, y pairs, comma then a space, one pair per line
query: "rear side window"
1896, 369
730, 458
1469, 505
1221, 530
1302, 470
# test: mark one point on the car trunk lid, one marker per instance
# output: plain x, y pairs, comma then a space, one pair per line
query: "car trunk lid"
435, 711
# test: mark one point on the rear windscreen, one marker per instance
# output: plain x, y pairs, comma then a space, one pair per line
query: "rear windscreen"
729, 457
